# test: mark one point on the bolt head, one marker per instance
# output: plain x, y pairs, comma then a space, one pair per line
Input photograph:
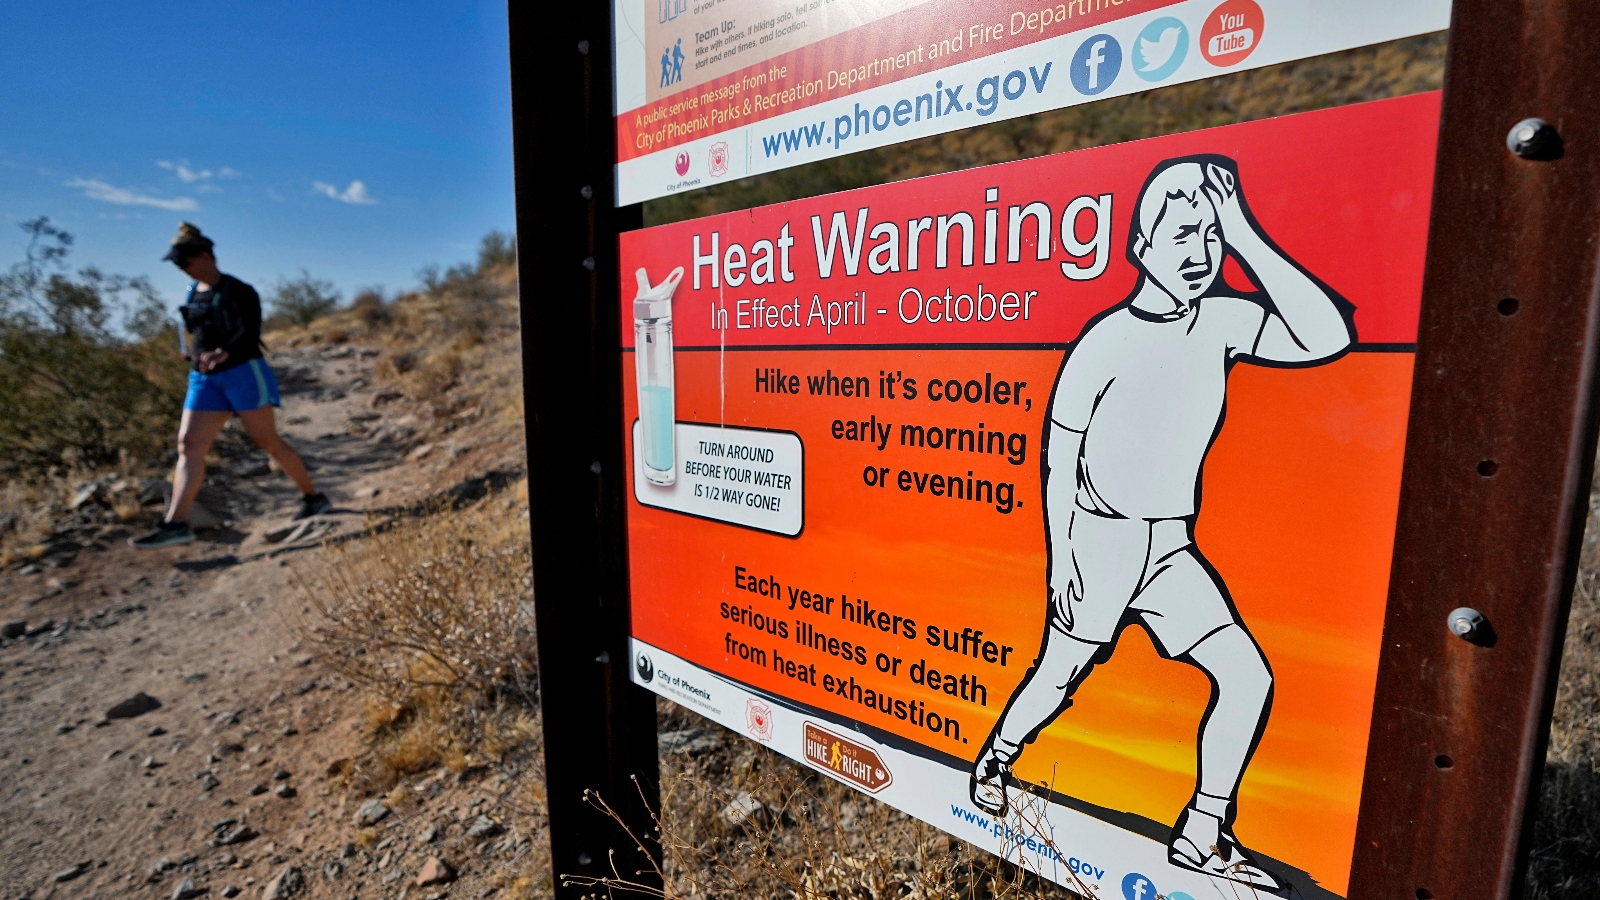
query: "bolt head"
1464, 622
583, 47
1533, 139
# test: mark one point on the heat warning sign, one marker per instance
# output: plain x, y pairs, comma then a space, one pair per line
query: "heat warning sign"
1020, 496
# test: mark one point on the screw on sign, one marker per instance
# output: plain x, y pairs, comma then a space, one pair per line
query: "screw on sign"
1231, 32
838, 755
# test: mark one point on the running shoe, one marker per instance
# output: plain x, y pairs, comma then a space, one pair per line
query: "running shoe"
313, 505
170, 534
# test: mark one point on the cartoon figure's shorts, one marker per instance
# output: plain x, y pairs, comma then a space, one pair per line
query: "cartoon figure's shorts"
1150, 568
242, 388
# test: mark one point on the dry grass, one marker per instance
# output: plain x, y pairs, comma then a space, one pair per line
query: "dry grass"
431, 619
1566, 845
739, 820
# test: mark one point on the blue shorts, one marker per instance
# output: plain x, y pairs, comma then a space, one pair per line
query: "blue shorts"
239, 389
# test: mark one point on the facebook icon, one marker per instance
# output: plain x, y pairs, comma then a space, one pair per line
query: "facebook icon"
1096, 64
1136, 886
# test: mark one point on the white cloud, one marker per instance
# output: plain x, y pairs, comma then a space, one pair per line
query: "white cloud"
355, 193
190, 175
95, 189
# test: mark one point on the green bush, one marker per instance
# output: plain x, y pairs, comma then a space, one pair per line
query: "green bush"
89, 369
305, 299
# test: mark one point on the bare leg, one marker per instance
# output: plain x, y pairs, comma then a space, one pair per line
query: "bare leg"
1241, 698
261, 426
198, 429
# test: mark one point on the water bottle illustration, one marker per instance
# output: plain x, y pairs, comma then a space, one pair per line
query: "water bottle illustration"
652, 362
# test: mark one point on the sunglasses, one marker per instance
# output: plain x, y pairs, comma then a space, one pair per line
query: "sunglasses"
182, 261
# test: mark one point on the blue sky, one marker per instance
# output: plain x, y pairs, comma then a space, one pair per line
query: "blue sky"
359, 141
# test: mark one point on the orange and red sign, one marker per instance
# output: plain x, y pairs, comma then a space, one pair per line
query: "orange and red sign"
934, 477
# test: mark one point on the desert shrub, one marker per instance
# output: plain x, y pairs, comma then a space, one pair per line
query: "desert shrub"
432, 616
89, 373
303, 300
496, 249
370, 308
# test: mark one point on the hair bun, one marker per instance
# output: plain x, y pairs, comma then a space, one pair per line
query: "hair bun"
188, 231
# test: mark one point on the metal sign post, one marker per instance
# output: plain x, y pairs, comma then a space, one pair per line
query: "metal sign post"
1498, 463
599, 730
1496, 472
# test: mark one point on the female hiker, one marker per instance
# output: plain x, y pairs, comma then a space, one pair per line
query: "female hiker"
222, 320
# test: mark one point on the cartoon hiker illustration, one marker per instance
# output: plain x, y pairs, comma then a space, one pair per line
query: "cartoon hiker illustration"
1136, 407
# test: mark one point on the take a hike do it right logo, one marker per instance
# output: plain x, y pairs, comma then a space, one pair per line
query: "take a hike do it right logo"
861, 766
1232, 32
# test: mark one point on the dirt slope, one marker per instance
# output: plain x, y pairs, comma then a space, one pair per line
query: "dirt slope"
249, 725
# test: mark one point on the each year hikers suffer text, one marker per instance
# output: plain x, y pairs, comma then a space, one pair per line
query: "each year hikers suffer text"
828, 625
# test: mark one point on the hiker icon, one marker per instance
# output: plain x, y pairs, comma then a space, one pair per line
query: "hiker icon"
672, 64
1136, 407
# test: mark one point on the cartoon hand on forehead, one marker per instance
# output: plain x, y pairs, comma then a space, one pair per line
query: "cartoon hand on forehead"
1221, 184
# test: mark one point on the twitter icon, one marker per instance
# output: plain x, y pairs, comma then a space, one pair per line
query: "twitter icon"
1160, 48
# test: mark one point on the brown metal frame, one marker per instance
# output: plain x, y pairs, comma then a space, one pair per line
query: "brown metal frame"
1498, 462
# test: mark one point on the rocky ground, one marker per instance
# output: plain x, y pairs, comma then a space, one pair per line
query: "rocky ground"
164, 731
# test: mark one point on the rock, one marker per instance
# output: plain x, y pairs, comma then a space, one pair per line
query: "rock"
14, 629
209, 783
29, 569
281, 774
303, 659
86, 494
156, 731
393, 875
252, 469
744, 808
284, 791
154, 491
332, 870
186, 890
277, 533
371, 813
435, 871
257, 790
162, 865
238, 834
230, 891
150, 762
290, 882
201, 518
305, 688
41, 628
222, 825
420, 452
70, 872
429, 834
484, 827
386, 395
137, 705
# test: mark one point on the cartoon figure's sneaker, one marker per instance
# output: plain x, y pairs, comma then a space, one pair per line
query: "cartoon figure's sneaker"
1201, 844
991, 775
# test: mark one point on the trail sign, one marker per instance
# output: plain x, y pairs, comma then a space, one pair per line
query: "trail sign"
710, 92
1408, 445
1008, 385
